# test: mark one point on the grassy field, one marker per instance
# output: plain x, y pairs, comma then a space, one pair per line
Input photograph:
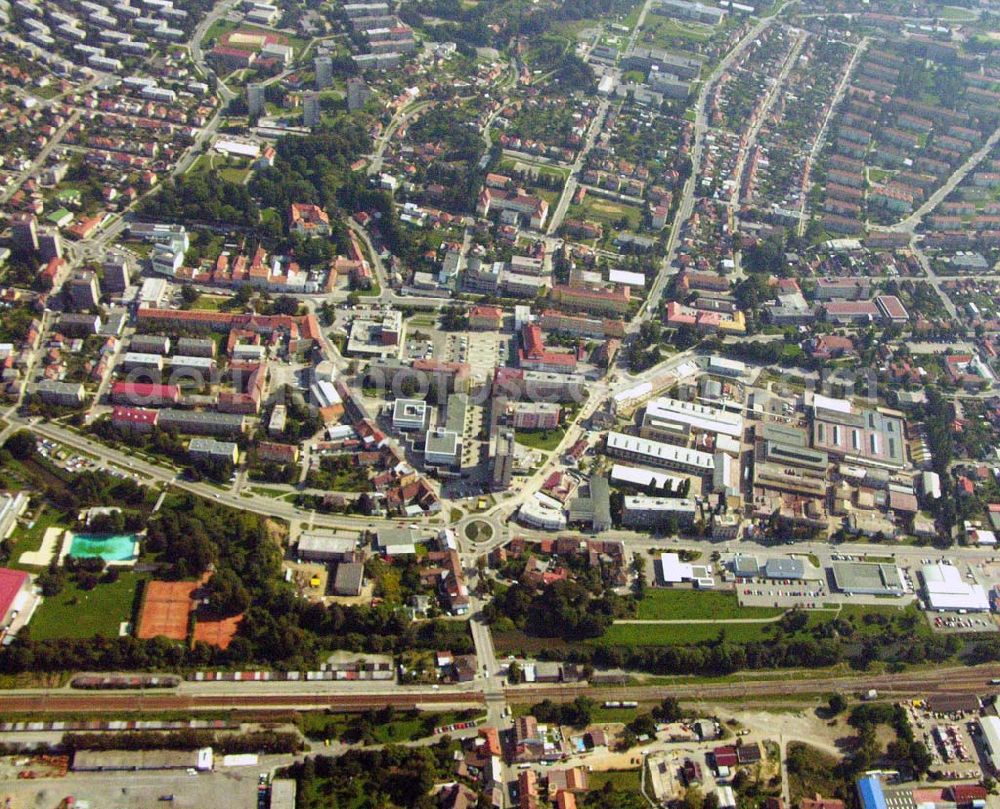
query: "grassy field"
697, 604
665, 31
209, 303
76, 613
955, 14
544, 440
606, 211
684, 634
810, 771
404, 727
30, 539
681, 634
622, 780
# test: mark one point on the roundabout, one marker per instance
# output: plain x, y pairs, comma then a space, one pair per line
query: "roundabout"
478, 530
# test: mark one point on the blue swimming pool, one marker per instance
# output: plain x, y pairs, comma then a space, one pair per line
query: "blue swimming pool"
115, 548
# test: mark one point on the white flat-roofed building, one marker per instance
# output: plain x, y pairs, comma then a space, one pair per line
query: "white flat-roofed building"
533, 513
656, 453
237, 148
138, 359
325, 393
630, 279
410, 414
638, 476
667, 415
722, 366
990, 726
214, 450
674, 571
441, 447
641, 511
945, 589
11, 507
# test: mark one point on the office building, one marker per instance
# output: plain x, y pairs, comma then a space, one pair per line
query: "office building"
655, 453
441, 447
502, 461
410, 414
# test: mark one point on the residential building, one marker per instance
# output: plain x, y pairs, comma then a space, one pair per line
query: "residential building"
63, 394
256, 99
641, 511
84, 290
308, 220
24, 230
210, 449
311, 112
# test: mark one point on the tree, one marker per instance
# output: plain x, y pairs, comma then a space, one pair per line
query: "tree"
226, 593
189, 295
668, 711
286, 305
21, 445
837, 703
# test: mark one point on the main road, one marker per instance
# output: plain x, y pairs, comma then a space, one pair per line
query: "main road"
686, 205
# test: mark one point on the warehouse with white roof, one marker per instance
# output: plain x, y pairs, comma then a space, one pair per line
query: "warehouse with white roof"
945, 589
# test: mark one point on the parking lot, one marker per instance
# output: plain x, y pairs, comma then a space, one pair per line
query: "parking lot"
235, 787
758, 592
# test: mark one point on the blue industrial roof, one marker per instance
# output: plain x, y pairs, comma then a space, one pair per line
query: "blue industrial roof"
870, 792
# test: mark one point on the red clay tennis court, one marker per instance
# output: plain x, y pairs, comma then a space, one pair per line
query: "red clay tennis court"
217, 633
166, 606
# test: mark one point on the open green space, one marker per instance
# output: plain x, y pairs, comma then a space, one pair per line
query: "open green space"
680, 634
955, 14
478, 531
868, 623
810, 772
543, 440
667, 32
392, 727
30, 539
76, 613
622, 780
222, 27
607, 212
209, 303
668, 604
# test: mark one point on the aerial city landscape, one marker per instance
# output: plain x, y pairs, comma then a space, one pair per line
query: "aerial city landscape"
564, 404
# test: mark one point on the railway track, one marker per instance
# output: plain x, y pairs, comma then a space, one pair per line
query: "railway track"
948, 680
153, 702
925, 683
